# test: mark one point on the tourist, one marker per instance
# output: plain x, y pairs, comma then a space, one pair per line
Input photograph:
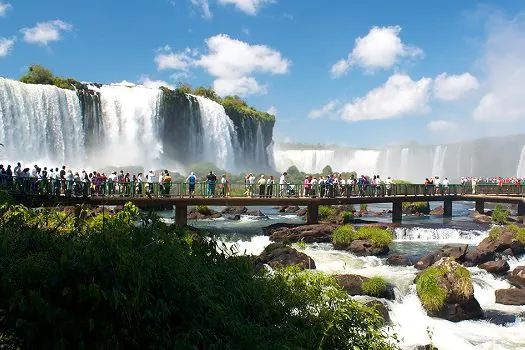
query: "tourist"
150, 179
140, 184
313, 187
211, 180
282, 184
445, 184
222, 185
191, 180
262, 186
388, 186
306, 185
269, 186
167, 183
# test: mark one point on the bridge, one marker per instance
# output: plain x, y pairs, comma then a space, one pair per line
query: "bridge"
177, 195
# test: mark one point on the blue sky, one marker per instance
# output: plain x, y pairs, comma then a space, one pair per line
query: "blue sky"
356, 73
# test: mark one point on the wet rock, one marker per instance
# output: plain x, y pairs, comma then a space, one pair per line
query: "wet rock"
499, 267
458, 253
282, 209
417, 208
234, 210
482, 218
438, 211
210, 214
381, 309
235, 217
277, 255
510, 296
426, 347
321, 233
256, 213
517, 277
362, 247
489, 247
291, 209
399, 260
352, 284
301, 212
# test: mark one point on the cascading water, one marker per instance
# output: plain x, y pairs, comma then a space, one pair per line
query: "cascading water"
520, 172
260, 151
218, 134
404, 162
40, 123
439, 160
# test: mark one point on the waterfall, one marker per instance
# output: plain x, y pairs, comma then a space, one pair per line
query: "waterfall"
444, 235
439, 160
520, 172
40, 123
218, 134
404, 162
260, 151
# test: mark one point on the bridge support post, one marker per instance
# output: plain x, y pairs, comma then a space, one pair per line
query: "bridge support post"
312, 215
447, 209
521, 209
397, 211
181, 215
480, 207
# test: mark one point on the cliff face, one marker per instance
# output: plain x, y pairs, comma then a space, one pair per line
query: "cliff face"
91, 116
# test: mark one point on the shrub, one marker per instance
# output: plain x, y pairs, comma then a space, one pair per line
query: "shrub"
418, 205
378, 236
301, 244
500, 216
363, 207
326, 211
38, 74
374, 286
495, 233
203, 209
343, 234
431, 294
347, 216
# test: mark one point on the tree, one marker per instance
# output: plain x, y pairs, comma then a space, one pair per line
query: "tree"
207, 92
184, 88
327, 170
38, 74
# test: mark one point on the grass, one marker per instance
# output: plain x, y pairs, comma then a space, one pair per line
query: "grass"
345, 234
363, 207
347, 216
203, 209
326, 211
374, 287
417, 205
500, 216
519, 232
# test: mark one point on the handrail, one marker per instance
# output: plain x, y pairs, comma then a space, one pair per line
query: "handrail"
62, 187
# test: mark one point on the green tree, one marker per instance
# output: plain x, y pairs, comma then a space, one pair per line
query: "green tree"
327, 170
207, 92
184, 88
37, 74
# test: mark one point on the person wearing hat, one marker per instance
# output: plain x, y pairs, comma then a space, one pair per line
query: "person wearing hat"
262, 186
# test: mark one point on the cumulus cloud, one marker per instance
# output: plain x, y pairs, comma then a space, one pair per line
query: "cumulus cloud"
45, 32
6, 45
4, 8
326, 111
381, 48
453, 87
441, 125
204, 7
398, 96
272, 110
232, 62
154, 84
250, 7
502, 63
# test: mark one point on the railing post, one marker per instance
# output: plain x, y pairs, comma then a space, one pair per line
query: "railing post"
181, 215
397, 211
312, 214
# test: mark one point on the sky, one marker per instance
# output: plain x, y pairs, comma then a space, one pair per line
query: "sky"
351, 73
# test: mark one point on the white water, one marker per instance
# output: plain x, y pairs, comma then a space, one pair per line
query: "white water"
260, 150
439, 160
218, 134
40, 123
520, 172
442, 235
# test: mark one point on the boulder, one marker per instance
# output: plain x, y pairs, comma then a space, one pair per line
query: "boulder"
488, 247
301, 212
414, 208
499, 267
321, 233
282, 209
458, 253
399, 260
256, 213
438, 211
195, 215
362, 247
381, 309
234, 210
510, 296
481, 218
235, 217
517, 277
278, 255
352, 284
291, 209
426, 347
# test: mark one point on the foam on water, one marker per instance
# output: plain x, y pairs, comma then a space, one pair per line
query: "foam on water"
444, 235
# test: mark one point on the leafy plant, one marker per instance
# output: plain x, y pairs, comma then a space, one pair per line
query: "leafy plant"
38, 74
326, 211
347, 216
343, 234
203, 209
301, 244
374, 286
500, 216
363, 207
378, 236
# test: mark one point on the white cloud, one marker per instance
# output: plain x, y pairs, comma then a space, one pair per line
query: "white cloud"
381, 48
453, 87
44, 32
232, 62
4, 8
326, 111
204, 6
272, 110
6, 45
250, 7
398, 96
504, 68
154, 84
441, 125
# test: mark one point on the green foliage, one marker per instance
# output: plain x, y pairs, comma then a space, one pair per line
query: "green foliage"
378, 236
203, 209
500, 216
347, 216
38, 74
431, 294
374, 286
327, 170
343, 234
326, 211
401, 182
495, 233
143, 284
238, 105
5, 198
519, 232
463, 281
183, 89
363, 207
417, 205
301, 244
207, 92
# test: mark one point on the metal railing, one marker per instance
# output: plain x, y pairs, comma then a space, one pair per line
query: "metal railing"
61, 187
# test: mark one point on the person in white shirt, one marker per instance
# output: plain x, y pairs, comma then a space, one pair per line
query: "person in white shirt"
282, 184
388, 186
445, 185
269, 186
150, 179
112, 180
262, 186
437, 185
251, 185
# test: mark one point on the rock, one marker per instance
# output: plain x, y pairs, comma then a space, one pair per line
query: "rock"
256, 213
488, 247
414, 208
291, 209
510, 296
195, 215
399, 260
235, 217
352, 284
301, 212
321, 233
499, 267
278, 255
458, 253
364, 247
438, 211
381, 309
426, 347
517, 277
282, 209
234, 210
482, 218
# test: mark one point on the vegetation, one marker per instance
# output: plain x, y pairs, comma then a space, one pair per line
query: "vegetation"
347, 216
130, 281
401, 182
326, 211
374, 286
418, 205
363, 207
378, 236
238, 105
301, 244
37, 74
519, 232
500, 216
203, 209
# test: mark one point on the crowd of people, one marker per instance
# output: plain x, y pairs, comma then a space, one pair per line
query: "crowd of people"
64, 181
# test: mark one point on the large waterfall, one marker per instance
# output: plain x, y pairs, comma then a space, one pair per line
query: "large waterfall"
40, 123
122, 125
498, 156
